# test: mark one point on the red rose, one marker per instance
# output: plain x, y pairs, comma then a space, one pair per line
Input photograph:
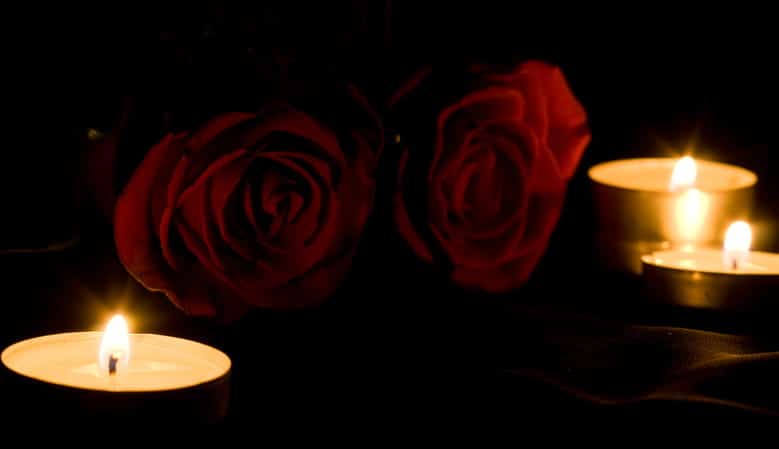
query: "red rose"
250, 210
491, 167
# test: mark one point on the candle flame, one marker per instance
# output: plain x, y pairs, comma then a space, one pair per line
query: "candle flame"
684, 174
738, 239
114, 354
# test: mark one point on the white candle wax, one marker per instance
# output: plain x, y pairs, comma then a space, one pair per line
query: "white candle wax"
711, 261
158, 362
654, 175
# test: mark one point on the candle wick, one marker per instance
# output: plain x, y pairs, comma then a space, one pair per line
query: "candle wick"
735, 263
113, 359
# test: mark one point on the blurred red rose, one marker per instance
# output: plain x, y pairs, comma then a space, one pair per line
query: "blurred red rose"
250, 210
480, 191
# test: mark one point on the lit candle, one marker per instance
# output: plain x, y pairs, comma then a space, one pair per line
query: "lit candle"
729, 278
645, 205
735, 252
684, 174
116, 373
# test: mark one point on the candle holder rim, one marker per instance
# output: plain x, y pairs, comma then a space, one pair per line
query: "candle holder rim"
647, 261
749, 184
669, 193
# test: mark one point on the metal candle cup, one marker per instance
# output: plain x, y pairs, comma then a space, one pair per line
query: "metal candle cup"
636, 212
699, 279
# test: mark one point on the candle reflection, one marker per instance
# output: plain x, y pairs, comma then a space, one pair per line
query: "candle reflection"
690, 212
738, 239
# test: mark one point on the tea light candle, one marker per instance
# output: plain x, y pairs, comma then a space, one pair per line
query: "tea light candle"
116, 373
732, 278
650, 204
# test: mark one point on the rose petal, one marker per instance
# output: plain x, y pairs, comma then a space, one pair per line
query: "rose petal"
192, 298
296, 203
134, 229
463, 243
500, 278
177, 194
484, 198
270, 197
457, 198
197, 204
545, 210
545, 176
475, 109
133, 225
308, 289
175, 186
501, 205
500, 164
438, 203
202, 238
198, 248
218, 164
294, 253
195, 207
248, 207
317, 216
299, 125
224, 185
466, 128
214, 129
166, 244
568, 133
236, 131
493, 243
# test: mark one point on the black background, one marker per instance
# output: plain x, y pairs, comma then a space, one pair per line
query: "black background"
656, 81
